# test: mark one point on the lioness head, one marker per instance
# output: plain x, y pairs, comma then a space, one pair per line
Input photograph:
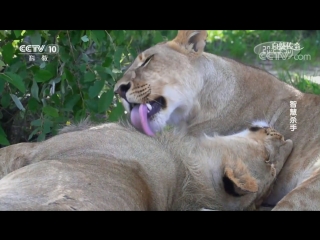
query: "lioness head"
161, 85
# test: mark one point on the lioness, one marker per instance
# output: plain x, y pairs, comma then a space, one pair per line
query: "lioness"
176, 83
108, 167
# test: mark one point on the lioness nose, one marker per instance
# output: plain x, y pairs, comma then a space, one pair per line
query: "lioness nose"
122, 90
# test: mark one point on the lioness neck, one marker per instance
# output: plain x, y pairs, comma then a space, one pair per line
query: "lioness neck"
228, 90
234, 95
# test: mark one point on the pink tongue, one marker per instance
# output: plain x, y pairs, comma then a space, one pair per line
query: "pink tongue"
139, 119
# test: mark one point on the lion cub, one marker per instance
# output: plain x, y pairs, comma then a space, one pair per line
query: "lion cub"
235, 172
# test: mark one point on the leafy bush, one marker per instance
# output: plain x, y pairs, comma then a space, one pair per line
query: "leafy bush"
39, 97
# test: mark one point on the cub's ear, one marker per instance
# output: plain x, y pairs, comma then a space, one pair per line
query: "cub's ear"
238, 182
189, 41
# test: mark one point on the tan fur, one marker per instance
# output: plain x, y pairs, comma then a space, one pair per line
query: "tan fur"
113, 167
205, 92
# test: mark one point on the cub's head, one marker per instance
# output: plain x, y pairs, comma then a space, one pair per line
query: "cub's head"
161, 85
244, 166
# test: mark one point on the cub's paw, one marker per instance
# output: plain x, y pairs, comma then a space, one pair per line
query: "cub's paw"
273, 134
266, 133
278, 149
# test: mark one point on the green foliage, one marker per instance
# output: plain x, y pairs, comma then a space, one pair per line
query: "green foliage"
300, 82
39, 97
239, 44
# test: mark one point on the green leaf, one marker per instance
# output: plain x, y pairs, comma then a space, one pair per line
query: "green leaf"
116, 113
109, 72
43, 76
35, 38
41, 137
61, 119
35, 90
23, 75
52, 68
89, 77
15, 80
107, 62
75, 36
98, 36
4, 140
64, 55
36, 123
33, 133
62, 87
5, 33
105, 100
85, 38
2, 64
92, 105
55, 80
55, 99
83, 67
5, 100
101, 72
34, 69
33, 105
2, 83
50, 111
69, 75
117, 57
96, 88
2, 132
29, 32
17, 102
81, 114
42, 65
85, 57
47, 126
71, 101
7, 52
17, 33
119, 36
15, 65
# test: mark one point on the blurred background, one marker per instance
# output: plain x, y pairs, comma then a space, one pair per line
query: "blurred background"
40, 94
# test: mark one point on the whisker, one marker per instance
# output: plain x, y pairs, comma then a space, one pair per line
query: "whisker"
153, 100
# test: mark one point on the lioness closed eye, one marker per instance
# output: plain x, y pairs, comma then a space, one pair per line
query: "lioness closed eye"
113, 167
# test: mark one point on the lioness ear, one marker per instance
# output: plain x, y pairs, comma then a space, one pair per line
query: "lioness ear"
238, 183
190, 41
